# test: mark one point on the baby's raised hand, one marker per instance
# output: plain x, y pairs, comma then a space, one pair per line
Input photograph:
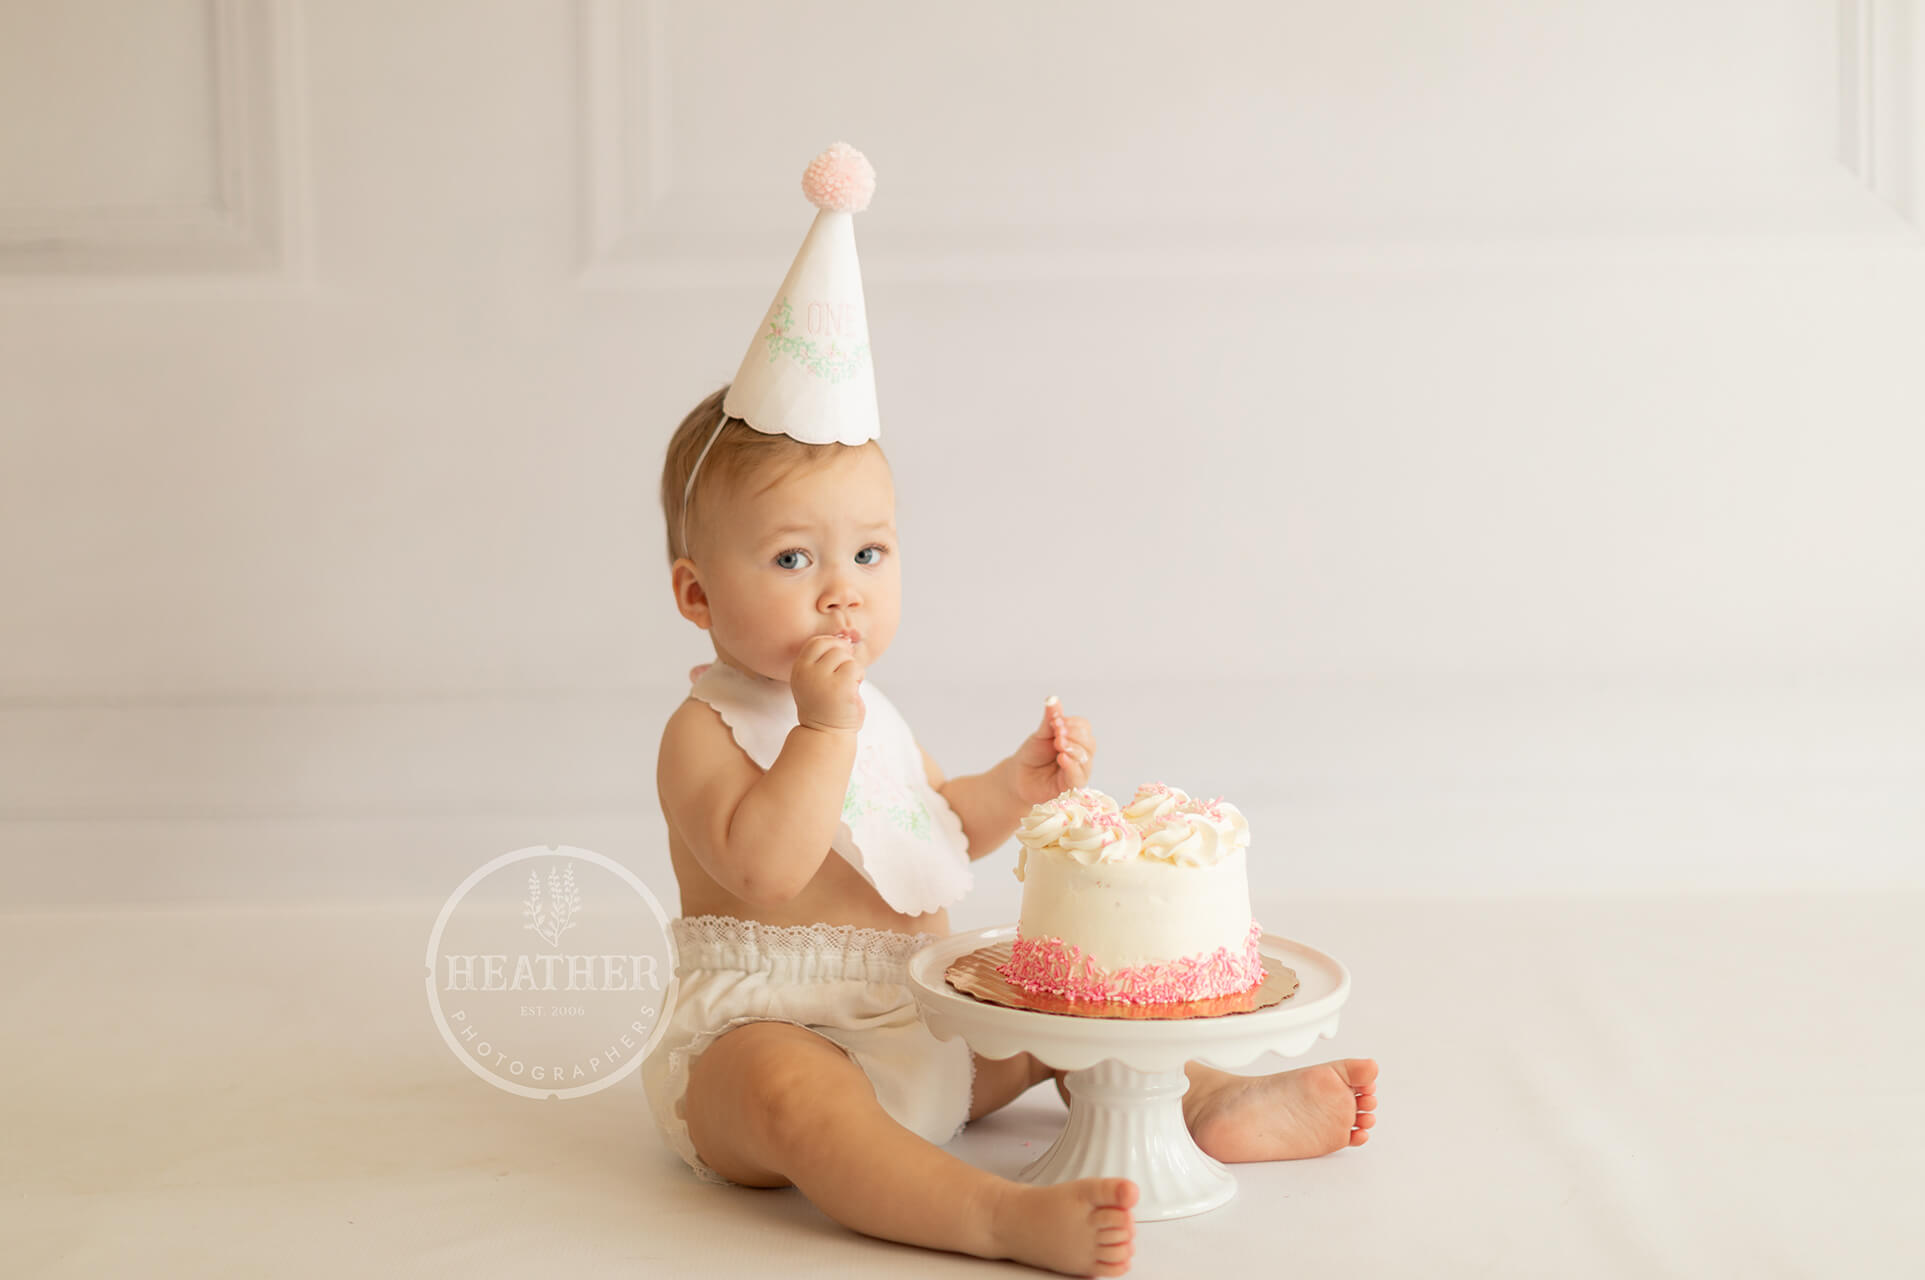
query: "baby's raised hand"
1055, 758
826, 682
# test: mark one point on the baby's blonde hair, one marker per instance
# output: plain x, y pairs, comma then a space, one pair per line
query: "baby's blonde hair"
739, 455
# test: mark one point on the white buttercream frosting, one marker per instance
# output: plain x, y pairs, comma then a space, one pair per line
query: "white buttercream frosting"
1187, 839
1081, 823
1162, 877
1161, 822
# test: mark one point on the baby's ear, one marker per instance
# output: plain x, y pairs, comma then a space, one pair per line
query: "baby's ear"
691, 601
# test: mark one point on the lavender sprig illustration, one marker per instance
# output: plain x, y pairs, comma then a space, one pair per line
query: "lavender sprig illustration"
563, 902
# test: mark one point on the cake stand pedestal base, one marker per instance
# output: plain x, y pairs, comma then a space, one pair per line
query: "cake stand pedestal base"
1125, 1123
1125, 1076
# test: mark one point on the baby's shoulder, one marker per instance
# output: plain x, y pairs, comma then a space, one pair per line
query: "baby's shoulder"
698, 744
695, 726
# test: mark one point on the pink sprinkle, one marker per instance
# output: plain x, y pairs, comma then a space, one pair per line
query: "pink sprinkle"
1060, 968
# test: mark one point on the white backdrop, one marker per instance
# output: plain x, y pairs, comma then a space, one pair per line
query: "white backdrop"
1483, 441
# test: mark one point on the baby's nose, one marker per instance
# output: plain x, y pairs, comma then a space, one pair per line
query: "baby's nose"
842, 596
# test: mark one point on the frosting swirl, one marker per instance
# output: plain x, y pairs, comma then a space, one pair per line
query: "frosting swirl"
1102, 836
1232, 828
1186, 838
1083, 823
1161, 822
1153, 803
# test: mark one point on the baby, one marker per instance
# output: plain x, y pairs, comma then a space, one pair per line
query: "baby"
794, 1055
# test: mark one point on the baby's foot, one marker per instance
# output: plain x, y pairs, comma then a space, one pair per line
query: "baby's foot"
1080, 1228
1311, 1111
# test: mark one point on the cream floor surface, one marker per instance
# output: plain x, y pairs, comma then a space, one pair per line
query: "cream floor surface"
1607, 1087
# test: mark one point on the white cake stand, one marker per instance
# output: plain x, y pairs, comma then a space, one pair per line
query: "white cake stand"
1126, 1079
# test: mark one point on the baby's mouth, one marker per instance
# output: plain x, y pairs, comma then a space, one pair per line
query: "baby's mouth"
847, 632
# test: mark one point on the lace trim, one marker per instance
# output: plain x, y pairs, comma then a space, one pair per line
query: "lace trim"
697, 933
969, 1096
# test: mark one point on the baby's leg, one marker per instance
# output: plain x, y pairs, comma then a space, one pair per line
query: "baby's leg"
770, 1104
1311, 1111
1000, 1081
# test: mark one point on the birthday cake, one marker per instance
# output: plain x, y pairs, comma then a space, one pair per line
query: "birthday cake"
1147, 903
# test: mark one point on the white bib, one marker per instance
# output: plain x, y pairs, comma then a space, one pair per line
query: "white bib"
897, 831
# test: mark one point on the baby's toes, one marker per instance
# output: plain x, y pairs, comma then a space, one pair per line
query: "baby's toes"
1359, 1073
1115, 1227
1365, 1119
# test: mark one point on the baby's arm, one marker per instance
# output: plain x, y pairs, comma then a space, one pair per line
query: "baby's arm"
1051, 760
763, 835
986, 802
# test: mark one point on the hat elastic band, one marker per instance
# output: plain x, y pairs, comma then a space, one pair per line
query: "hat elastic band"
695, 470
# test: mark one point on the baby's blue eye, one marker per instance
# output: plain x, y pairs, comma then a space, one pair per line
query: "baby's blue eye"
865, 551
785, 555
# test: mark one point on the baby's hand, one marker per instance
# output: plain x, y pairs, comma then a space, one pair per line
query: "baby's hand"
1055, 758
826, 684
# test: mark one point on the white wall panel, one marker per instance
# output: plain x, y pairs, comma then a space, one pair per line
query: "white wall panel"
1510, 411
151, 138
1145, 137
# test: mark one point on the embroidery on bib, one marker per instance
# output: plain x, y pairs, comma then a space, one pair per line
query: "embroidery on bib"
874, 789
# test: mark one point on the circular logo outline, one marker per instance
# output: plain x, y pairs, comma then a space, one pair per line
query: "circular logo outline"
668, 995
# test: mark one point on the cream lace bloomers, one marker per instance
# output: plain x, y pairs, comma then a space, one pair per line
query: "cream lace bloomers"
845, 983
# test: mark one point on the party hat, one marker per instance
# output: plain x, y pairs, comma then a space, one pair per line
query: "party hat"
808, 374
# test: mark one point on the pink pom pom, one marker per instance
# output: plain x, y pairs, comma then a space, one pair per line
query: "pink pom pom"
841, 178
